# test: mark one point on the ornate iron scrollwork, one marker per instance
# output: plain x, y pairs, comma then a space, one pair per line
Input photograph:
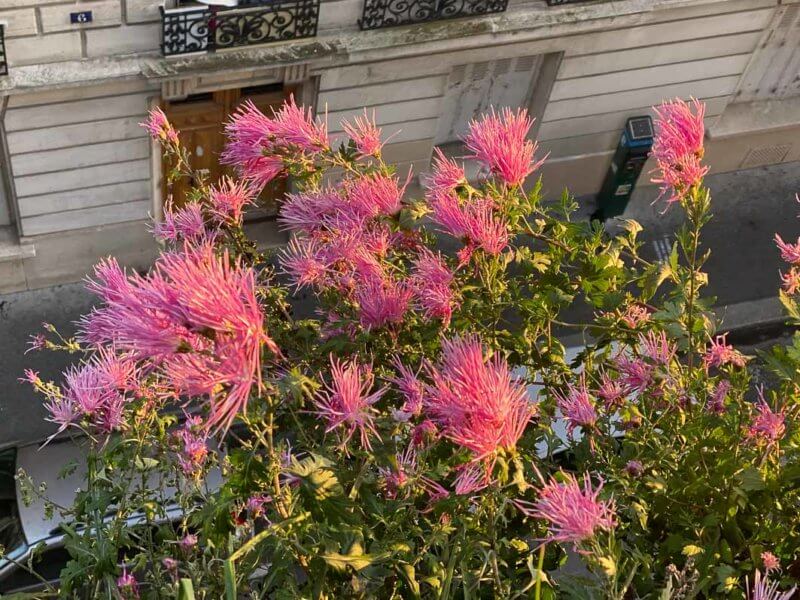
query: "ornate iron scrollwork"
390, 13
186, 31
3, 62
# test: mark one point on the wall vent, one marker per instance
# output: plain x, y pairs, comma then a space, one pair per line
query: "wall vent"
768, 155
789, 17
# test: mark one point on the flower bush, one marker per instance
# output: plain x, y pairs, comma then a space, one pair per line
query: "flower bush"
423, 434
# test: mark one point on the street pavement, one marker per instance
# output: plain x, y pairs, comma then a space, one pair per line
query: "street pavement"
748, 206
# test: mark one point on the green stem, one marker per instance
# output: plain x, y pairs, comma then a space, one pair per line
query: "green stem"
537, 593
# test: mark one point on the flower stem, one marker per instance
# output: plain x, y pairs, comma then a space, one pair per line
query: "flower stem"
537, 590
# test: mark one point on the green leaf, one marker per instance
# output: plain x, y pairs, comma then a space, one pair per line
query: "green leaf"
230, 580
789, 304
145, 464
185, 589
751, 480
342, 561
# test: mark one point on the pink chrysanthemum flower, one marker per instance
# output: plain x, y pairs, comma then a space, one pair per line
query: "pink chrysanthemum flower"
678, 147
476, 400
249, 148
192, 446
432, 282
770, 562
500, 141
634, 468
306, 211
791, 281
188, 542
159, 127
574, 514
95, 390
716, 401
764, 589
365, 134
611, 391
184, 223
297, 126
634, 373
127, 586
577, 407
257, 144
767, 427
635, 315
37, 342
471, 478
228, 199
304, 262
657, 347
789, 252
411, 388
394, 479
447, 175
347, 401
719, 353
382, 301
195, 317
484, 229
170, 566
373, 195
472, 220
424, 433
256, 505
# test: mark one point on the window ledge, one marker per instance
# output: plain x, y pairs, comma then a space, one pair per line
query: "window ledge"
11, 249
756, 117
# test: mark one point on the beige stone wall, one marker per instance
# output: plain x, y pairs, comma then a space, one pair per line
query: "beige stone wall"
39, 31
81, 167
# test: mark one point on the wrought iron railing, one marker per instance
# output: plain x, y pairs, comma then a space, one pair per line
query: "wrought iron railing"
390, 13
191, 30
560, 2
3, 61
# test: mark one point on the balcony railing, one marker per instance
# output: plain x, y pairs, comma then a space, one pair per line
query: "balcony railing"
191, 30
3, 62
390, 13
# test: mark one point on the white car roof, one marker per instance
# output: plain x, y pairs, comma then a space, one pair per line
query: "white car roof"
45, 464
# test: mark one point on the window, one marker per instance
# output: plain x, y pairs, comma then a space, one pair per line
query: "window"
473, 89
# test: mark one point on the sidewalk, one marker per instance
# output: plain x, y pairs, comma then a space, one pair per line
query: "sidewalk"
748, 206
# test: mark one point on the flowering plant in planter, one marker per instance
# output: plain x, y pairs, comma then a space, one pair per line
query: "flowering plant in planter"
401, 439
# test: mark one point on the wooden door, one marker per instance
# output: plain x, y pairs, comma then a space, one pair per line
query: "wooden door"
201, 123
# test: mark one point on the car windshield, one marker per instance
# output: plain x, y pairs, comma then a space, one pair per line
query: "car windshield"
11, 536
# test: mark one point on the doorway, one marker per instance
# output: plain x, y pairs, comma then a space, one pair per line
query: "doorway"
200, 119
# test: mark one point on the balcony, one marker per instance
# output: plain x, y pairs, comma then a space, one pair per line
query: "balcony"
191, 30
390, 13
3, 63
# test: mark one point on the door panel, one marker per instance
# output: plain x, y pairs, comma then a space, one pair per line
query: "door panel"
201, 123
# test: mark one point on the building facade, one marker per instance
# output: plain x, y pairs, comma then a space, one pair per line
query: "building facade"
80, 179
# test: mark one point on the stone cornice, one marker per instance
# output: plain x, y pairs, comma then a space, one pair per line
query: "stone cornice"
527, 21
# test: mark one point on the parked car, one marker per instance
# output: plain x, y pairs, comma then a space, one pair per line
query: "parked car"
23, 527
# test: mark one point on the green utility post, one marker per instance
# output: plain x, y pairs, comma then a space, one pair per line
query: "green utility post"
626, 166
